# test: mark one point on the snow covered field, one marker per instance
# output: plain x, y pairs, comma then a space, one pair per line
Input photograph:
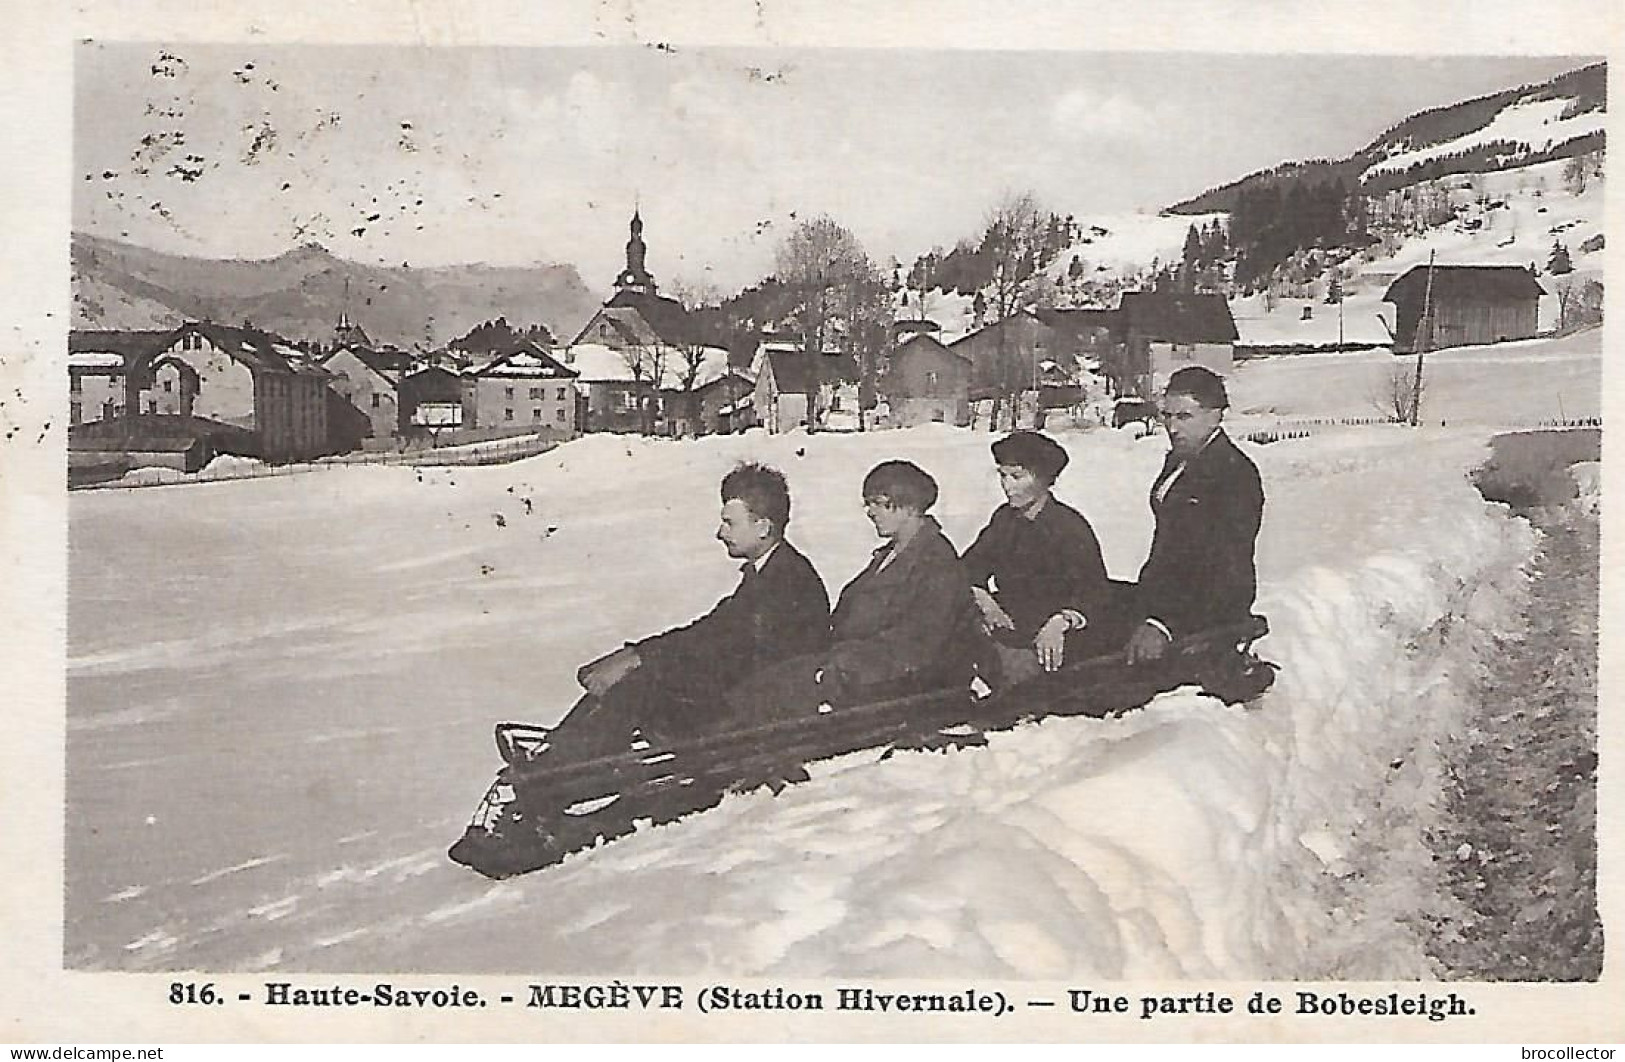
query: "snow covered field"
281, 691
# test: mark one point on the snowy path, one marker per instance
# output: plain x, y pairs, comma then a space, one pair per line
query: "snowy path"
281, 694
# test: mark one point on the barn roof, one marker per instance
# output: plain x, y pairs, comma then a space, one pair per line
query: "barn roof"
1489, 283
1176, 317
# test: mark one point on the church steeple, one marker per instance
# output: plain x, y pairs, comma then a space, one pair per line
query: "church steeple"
636, 277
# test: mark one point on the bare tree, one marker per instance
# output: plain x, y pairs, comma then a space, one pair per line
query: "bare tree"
1397, 393
692, 350
833, 284
1013, 243
647, 363
1579, 303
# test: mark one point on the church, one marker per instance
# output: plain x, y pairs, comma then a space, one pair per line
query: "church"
637, 315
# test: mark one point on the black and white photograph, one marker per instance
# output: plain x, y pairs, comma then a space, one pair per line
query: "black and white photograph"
997, 525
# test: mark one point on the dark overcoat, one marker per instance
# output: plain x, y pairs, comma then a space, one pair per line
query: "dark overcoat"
1039, 566
902, 625
1200, 571
780, 612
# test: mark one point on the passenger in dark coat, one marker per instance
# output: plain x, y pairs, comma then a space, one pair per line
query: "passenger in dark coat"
1035, 570
905, 624
1208, 501
674, 684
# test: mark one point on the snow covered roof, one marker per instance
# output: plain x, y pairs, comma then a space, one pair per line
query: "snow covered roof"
254, 348
96, 359
596, 363
530, 363
389, 364
127, 346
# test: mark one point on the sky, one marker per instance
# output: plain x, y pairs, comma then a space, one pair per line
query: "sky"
518, 156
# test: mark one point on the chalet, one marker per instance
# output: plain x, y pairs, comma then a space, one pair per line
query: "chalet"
725, 404
526, 388
701, 393
1468, 305
617, 386
369, 380
1160, 332
1005, 355
926, 381
430, 401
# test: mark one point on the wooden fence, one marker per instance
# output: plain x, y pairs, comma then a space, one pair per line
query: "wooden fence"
492, 453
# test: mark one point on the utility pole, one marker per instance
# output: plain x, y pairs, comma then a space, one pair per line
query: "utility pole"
1340, 301
1421, 348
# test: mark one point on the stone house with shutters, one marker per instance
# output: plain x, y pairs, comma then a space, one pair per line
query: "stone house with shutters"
525, 389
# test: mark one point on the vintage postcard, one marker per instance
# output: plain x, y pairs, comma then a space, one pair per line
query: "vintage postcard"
776, 521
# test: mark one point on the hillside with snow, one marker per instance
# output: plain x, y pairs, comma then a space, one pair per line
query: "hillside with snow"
1511, 217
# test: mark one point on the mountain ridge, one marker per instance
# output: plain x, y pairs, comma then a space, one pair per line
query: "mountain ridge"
301, 293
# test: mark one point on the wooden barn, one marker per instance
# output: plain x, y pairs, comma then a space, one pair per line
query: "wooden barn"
1468, 305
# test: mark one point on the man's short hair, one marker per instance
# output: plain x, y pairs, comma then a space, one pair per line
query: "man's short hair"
1038, 454
763, 490
903, 484
1204, 385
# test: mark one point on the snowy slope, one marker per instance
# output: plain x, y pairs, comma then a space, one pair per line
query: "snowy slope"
1524, 212
1539, 124
275, 731
1128, 243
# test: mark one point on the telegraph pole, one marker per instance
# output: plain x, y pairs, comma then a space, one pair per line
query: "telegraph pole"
1425, 338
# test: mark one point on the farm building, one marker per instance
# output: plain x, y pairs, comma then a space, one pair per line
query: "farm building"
1159, 333
1467, 304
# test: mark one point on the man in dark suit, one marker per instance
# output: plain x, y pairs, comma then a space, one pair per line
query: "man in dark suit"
1208, 502
673, 684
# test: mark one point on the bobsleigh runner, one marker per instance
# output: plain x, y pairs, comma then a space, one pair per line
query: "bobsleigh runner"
544, 804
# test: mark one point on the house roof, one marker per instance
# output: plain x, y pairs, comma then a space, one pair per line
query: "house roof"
126, 346
256, 349
1481, 282
1176, 317
663, 320
1078, 320
596, 363
432, 384
926, 341
530, 362
390, 364
792, 371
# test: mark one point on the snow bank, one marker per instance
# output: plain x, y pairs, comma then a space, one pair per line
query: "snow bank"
1587, 476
